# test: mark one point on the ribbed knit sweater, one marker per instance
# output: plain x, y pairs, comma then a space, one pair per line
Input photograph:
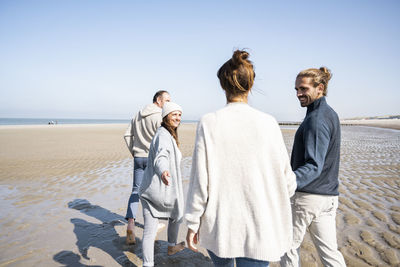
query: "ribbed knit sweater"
240, 185
316, 150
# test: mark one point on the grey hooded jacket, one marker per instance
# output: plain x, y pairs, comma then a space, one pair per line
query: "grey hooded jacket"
163, 201
141, 130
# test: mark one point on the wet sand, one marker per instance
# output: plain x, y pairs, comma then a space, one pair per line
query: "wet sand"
368, 229
64, 191
381, 123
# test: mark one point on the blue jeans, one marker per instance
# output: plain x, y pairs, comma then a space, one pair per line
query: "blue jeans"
240, 262
139, 164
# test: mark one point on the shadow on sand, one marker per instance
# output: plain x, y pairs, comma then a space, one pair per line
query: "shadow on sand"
104, 237
97, 235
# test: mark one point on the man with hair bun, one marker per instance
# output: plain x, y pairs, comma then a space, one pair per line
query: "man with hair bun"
315, 161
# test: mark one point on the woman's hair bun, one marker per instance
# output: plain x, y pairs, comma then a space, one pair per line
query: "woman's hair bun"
239, 57
236, 76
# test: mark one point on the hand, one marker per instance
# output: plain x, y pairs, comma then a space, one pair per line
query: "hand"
164, 177
191, 239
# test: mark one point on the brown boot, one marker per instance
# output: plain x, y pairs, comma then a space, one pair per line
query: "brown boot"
130, 237
175, 249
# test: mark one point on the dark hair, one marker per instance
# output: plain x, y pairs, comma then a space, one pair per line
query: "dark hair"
159, 93
172, 130
237, 75
318, 76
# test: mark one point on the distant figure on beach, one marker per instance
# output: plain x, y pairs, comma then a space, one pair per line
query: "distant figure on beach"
238, 203
161, 191
138, 137
315, 161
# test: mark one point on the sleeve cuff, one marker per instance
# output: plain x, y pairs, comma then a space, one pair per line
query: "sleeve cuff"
193, 226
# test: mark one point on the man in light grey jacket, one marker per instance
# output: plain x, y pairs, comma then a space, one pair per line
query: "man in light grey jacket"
138, 137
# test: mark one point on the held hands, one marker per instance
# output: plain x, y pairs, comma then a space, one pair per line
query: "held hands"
164, 177
191, 239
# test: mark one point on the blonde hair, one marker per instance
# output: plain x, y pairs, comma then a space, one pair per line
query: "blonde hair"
237, 75
318, 76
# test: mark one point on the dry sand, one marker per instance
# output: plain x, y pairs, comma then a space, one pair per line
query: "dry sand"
64, 190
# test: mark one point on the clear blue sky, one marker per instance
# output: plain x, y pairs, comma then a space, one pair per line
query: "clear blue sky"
105, 59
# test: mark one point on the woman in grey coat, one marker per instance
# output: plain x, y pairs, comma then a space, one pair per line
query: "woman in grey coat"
161, 190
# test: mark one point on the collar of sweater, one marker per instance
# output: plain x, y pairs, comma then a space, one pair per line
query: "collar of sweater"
236, 103
316, 104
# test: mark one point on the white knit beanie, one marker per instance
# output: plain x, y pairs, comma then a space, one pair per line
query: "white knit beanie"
169, 107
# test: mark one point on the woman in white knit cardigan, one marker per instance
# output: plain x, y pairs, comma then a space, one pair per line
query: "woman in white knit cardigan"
238, 203
161, 190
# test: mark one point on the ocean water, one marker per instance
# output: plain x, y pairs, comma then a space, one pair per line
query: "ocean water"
43, 121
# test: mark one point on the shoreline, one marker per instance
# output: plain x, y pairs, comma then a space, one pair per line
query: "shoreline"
379, 123
55, 126
393, 124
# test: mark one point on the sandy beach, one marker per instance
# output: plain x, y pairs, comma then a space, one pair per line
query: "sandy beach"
64, 191
381, 123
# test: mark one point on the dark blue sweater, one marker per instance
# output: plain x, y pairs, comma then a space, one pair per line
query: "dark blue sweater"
316, 150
